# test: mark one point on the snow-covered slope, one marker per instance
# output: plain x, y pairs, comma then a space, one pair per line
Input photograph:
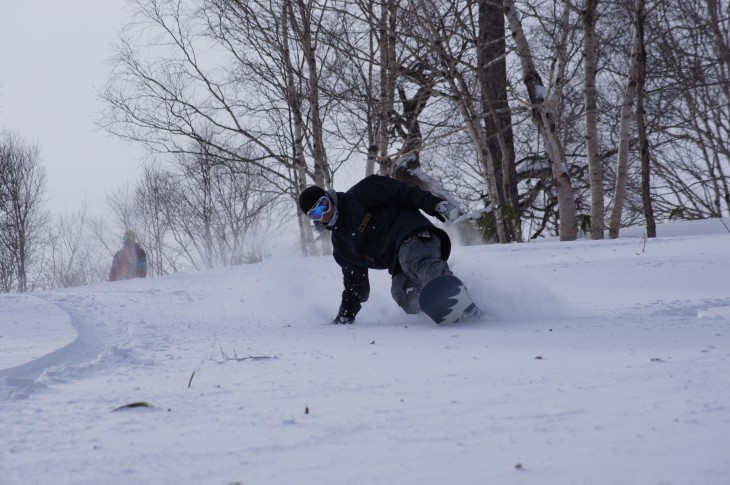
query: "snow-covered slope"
601, 362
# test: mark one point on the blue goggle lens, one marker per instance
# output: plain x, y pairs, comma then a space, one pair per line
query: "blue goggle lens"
317, 212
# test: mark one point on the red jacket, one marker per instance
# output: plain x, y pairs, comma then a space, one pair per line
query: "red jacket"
129, 262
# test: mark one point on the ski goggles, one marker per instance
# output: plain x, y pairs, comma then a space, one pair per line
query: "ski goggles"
320, 209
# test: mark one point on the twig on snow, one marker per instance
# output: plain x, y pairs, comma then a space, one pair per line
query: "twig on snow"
236, 358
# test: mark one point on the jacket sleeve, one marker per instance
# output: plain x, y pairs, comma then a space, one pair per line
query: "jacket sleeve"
378, 190
356, 291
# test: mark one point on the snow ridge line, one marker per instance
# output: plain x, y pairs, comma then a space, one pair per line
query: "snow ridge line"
98, 344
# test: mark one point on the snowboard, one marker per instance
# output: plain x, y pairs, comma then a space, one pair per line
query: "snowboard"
446, 300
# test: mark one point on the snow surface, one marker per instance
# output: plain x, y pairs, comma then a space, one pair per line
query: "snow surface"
602, 362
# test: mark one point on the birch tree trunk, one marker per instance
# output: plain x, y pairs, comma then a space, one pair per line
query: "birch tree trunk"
388, 11
372, 48
641, 125
408, 161
544, 119
622, 164
322, 170
492, 73
590, 95
306, 239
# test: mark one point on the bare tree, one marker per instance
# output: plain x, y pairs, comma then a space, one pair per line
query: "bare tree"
198, 212
388, 72
643, 138
492, 73
294, 101
121, 203
152, 200
73, 255
449, 58
303, 22
245, 209
292, 90
543, 107
688, 93
165, 95
625, 129
588, 16
22, 219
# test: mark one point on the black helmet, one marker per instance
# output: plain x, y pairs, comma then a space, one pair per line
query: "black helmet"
309, 197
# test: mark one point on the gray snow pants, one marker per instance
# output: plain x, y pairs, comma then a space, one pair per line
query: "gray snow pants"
420, 258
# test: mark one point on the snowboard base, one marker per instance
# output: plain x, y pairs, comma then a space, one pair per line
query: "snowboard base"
445, 300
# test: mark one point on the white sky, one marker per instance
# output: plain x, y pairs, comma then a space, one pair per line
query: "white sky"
53, 61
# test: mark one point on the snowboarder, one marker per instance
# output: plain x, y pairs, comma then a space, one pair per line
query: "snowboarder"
130, 261
377, 225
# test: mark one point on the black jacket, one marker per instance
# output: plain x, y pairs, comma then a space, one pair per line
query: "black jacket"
373, 218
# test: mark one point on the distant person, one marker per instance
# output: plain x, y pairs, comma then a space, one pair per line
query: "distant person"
130, 261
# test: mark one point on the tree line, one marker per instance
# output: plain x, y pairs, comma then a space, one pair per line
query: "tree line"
542, 118
556, 118
195, 214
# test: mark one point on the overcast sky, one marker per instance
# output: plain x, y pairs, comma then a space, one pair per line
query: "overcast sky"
52, 63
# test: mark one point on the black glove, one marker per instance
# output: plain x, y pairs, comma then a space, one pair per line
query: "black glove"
342, 319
